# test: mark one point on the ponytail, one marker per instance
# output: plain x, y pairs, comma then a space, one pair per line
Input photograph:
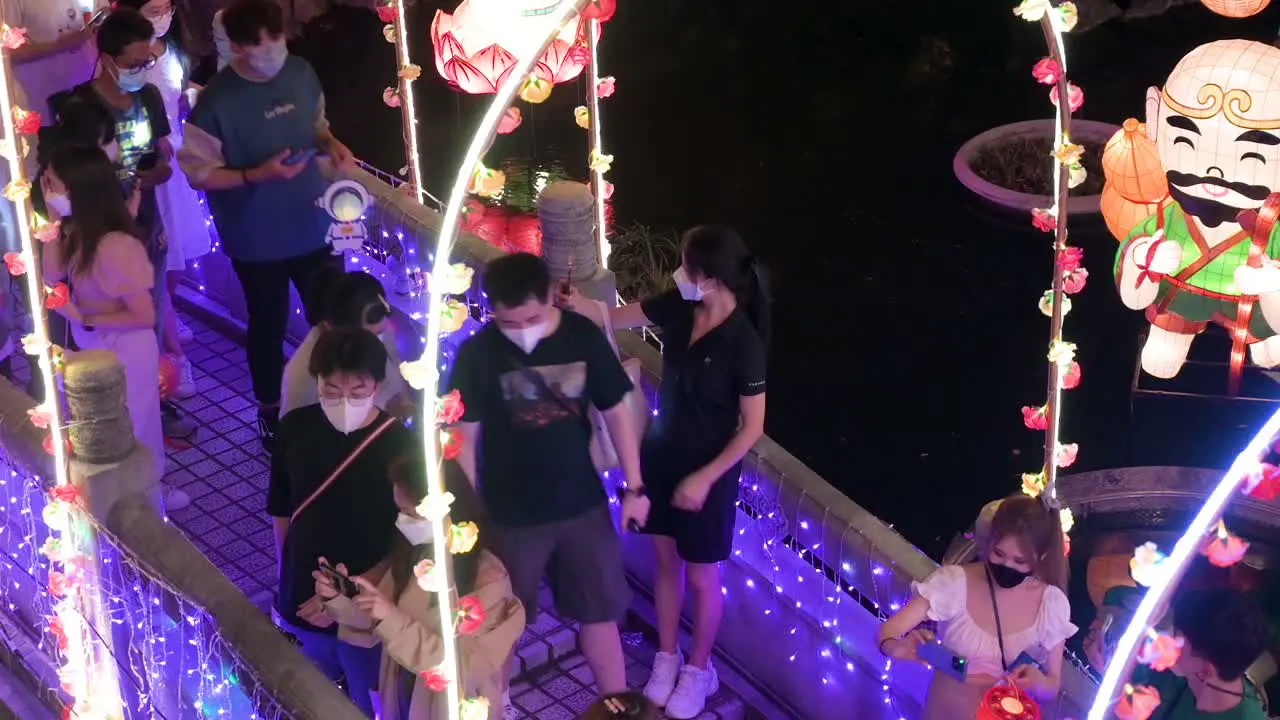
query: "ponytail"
756, 299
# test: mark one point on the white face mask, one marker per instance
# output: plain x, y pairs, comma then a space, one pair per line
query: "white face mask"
526, 338
59, 205
345, 414
162, 24
689, 290
416, 530
268, 58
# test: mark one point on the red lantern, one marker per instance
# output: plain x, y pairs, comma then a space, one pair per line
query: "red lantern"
471, 45
1005, 702
524, 234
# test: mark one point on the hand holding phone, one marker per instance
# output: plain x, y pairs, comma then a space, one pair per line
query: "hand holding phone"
300, 157
943, 660
341, 583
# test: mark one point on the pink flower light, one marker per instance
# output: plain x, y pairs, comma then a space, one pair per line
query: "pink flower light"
511, 120
1071, 378
1034, 418
1043, 220
471, 46
1075, 96
1047, 71
1160, 652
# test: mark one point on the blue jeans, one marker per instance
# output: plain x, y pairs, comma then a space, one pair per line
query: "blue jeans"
361, 666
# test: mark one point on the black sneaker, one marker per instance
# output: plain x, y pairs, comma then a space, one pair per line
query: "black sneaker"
268, 423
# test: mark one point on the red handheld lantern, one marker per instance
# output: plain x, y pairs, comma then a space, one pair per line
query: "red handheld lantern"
1006, 702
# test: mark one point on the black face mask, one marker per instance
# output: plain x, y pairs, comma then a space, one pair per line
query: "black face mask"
1005, 576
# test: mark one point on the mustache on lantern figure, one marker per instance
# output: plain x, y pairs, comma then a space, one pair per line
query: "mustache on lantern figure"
1211, 213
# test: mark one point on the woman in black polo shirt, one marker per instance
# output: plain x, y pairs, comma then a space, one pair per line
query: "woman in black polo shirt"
715, 328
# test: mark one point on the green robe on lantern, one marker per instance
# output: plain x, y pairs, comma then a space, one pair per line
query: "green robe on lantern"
1210, 295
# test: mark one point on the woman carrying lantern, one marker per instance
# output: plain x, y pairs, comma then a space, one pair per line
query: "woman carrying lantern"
991, 613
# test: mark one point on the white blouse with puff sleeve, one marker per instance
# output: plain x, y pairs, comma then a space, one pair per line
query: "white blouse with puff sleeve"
947, 592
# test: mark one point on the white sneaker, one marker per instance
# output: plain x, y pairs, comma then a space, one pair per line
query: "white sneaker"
662, 679
175, 499
186, 381
691, 693
185, 335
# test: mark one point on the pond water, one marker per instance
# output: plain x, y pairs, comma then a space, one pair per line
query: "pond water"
908, 335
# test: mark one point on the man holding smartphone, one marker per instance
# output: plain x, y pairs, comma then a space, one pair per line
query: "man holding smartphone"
248, 144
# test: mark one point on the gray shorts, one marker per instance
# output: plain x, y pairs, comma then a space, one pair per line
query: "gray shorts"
580, 557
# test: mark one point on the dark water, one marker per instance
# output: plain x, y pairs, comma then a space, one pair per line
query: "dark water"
908, 335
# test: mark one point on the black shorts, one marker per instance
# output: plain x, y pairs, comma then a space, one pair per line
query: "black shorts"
582, 559
705, 536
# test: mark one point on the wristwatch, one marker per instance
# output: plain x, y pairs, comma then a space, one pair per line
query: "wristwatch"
625, 490
88, 325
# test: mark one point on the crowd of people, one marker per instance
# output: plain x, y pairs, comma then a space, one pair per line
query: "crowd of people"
130, 142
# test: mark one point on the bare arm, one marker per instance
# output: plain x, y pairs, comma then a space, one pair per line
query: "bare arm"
467, 457
629, 316
903, 621
749, 431
139, 312
32, 51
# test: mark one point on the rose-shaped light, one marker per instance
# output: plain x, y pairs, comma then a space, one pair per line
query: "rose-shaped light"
1033, 484
17, 191
435, 507
1061, 352
56, 296
606, 87
1159, 651
1071, 376
1046, 71
1032, 10
450, 444
511, 120
476, 708
435, 680
15, 263
25, 122
40, 416
391, 97
1043, 220
582, 116
449, 408
457, 281
1066, 519
475, 46
428, 576
463, 537
416, 373
48, 232
599, 162
1263, 483
486, 182
470, 615
1224, 549
535, 90
1046, 304
1075, 97
12, 38
1066, 455
1137, 703
1074, 281
453, 315
387, 13
1034, 418
1147, 564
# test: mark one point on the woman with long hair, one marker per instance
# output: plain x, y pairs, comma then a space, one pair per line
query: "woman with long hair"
715, 330
183, 218
105, 265
403, 616
993, 611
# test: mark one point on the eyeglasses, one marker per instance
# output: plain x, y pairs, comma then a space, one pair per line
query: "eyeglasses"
147, 64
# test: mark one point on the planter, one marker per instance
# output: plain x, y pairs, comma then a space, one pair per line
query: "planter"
1081, 131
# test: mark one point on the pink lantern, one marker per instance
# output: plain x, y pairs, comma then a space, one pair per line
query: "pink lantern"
472, 46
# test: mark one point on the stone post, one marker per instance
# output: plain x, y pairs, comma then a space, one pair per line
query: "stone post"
566, 211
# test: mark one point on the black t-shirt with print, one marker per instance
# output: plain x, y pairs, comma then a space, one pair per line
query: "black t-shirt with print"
534, 459
353, 521
702, 384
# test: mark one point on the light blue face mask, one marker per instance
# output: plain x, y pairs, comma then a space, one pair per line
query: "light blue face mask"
131, 81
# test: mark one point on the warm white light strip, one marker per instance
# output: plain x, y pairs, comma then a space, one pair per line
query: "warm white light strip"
408, 106
597, 139
527, 57
1175, 564
1059, 214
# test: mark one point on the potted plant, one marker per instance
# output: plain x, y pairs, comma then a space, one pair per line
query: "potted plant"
1007, 165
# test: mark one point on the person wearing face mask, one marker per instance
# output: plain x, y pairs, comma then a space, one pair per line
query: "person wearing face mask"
992, 612
250, 143
715, 330
181, 215
330, 497
103, 262
527, 380
339, 299
403, 617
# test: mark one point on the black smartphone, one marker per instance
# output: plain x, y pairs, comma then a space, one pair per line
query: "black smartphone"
344, 585
148, 161
96, 19
300, 157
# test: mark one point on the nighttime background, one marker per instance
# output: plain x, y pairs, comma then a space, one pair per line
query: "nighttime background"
907, 330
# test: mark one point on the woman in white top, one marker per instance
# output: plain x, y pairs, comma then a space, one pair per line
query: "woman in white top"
185, 228
991, 612
354, 299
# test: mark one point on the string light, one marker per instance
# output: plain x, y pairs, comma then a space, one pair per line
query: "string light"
407, 73
597, 139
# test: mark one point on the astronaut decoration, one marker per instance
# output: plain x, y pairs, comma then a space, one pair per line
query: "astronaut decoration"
1216, 130
346, 201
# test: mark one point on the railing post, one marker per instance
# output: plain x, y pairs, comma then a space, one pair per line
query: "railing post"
567, 213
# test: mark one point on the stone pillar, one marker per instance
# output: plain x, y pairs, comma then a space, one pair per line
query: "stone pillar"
566, 211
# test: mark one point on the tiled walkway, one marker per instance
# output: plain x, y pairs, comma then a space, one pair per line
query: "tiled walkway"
225, 474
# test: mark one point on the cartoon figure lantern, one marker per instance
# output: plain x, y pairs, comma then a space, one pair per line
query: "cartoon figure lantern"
474, 46
1214, 125
345, 201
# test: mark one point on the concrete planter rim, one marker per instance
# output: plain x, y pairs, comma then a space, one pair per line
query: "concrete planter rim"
1091, 130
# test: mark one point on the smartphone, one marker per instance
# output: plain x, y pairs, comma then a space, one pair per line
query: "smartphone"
1025, 659
300, 157
943, 660
96, 19
345, 586
148, 161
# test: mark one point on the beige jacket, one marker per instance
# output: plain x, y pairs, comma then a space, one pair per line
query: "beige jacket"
411, 640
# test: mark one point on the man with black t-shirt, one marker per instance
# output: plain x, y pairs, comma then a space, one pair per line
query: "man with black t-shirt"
352, 520
527, 381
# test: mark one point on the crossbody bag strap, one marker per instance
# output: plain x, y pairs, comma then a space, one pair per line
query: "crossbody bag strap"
995, 610
364, 445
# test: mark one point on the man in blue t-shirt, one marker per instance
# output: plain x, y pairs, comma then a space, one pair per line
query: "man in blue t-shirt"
249, 144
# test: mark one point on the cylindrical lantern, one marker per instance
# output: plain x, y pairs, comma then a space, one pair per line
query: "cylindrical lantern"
1005, 702
1236, 8
1132, 164
1123, 215
475, 46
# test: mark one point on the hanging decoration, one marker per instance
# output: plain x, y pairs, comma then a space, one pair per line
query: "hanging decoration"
1236, 8
401, 96
1220, 95
86, 677
476, 47
1069, 274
